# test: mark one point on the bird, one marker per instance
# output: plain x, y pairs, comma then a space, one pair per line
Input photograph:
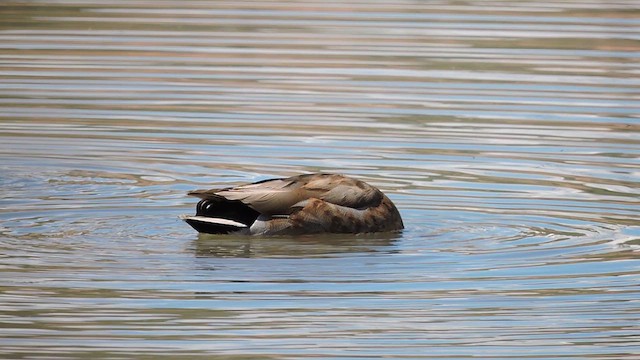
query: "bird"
303, 204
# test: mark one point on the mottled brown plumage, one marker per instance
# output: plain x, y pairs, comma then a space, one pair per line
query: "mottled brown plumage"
312, 203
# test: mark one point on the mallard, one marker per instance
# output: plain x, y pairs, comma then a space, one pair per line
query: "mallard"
303, 204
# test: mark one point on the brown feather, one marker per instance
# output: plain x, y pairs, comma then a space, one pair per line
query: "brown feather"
313, 203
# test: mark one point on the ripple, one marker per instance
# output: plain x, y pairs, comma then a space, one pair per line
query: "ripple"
505, 132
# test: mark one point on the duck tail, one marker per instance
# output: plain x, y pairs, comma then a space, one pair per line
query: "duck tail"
217, 215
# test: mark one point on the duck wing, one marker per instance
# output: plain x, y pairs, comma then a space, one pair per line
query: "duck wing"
319, 216
343, 191
268, 197
277, 196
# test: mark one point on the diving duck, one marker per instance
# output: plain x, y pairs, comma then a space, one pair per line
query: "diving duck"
303, 204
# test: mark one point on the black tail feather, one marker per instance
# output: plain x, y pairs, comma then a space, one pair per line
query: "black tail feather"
217, 207
211, 225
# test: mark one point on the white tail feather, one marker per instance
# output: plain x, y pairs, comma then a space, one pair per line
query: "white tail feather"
212, 220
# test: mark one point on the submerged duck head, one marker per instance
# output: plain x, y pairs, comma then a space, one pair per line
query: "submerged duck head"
303, 204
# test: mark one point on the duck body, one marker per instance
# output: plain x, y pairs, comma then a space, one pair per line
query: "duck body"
303, 204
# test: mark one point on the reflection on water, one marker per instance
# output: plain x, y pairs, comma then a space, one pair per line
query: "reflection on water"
506, 132
300, 246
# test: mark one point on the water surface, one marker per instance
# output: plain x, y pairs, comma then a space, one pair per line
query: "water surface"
508, 134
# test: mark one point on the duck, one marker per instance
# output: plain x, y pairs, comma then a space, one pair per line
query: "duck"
303, 204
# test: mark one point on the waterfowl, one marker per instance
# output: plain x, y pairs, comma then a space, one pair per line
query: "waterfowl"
303, 204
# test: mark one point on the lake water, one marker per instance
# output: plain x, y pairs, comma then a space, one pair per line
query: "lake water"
508, 134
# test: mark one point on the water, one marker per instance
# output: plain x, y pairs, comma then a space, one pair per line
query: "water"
507, 133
